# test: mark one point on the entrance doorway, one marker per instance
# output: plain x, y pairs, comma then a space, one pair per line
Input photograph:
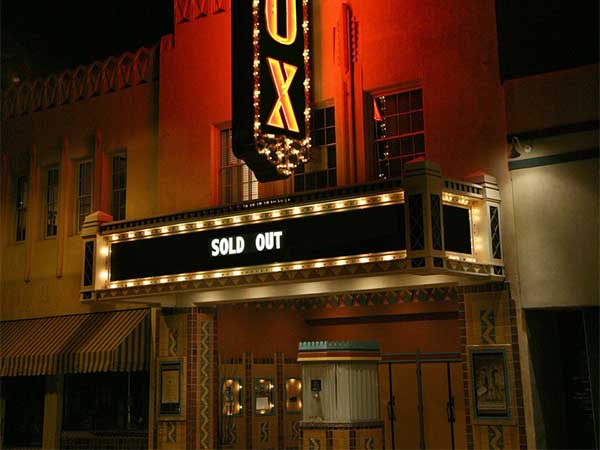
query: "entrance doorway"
422, 400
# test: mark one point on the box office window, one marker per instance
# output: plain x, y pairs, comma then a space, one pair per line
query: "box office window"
320, 171
21, 208
399, 131
24, 413
119, 187
51, 202
85, 178
106, 402
238, 182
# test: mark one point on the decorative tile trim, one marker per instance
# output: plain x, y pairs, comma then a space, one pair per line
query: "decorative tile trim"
191, 379
190, 10
516, 357
203, 382
82, 83
439, 294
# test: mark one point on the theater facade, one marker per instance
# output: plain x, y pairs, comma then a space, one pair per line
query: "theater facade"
181, 256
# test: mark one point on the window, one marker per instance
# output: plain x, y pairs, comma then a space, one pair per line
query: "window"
84, 191
51, 202
238, 182
319, 172
399, 131
21, 208
24, 413
110, 401
119, 186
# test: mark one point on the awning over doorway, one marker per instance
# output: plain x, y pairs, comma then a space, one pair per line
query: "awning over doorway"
96, 342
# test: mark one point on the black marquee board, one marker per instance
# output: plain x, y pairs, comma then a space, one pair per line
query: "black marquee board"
356, 232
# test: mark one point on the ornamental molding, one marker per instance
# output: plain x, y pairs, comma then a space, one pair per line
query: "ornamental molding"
190, 10
79, 84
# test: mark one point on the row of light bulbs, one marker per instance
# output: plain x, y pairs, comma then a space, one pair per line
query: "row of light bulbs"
104, 275
256, 217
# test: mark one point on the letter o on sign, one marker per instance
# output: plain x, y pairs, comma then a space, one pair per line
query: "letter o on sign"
260, 242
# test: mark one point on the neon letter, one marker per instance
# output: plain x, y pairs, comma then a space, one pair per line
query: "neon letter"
271, 20
282, 85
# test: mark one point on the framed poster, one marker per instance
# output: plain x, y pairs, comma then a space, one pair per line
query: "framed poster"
231, 393
293, 396
490, 383
263, 397
170, 388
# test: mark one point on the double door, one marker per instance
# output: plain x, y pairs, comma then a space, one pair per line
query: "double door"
422, 400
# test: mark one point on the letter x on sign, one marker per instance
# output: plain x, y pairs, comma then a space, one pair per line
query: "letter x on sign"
282, 85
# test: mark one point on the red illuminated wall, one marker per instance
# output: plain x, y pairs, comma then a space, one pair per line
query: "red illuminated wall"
427, 327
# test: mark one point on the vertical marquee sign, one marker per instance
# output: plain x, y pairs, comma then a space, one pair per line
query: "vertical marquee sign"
271, 85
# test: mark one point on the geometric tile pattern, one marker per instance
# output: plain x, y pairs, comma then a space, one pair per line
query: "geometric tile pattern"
70, 86
495, 231
203, 381
188, 10
436, 222
88, 263
495, 438
415, 220
348, 300
264, 432
487, 320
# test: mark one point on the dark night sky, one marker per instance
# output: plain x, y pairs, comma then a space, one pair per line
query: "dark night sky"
535, 35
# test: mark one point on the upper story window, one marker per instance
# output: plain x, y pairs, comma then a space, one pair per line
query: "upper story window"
21, 208
85, 177
51, 202
238, 182
320, 171
399, 131
119, 186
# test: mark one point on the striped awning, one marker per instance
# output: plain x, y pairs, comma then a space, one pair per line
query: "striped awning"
96, 342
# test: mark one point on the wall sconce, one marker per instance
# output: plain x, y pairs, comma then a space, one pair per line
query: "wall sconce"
516, 148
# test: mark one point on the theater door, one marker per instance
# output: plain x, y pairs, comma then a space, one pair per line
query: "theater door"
422, 400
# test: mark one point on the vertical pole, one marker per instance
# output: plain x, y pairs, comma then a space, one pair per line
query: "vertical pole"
420, 404
391, 413
450, 405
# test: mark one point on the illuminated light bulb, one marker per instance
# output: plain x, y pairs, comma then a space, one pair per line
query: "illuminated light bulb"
199, 224
180, 278
296, 211
237, 220
236, 273
340, 204
131, 234
275, 214
164, 230
255, 216
363, 260
130, 284
388, 257
319, 265
342, 262
104, 251
181, 227
115, 237
113, 286
163, 280
276, 269
385, 198
104, 275
297, 267
218, 222
146, 282
147, 232
218, 275
199, 277
362, 201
